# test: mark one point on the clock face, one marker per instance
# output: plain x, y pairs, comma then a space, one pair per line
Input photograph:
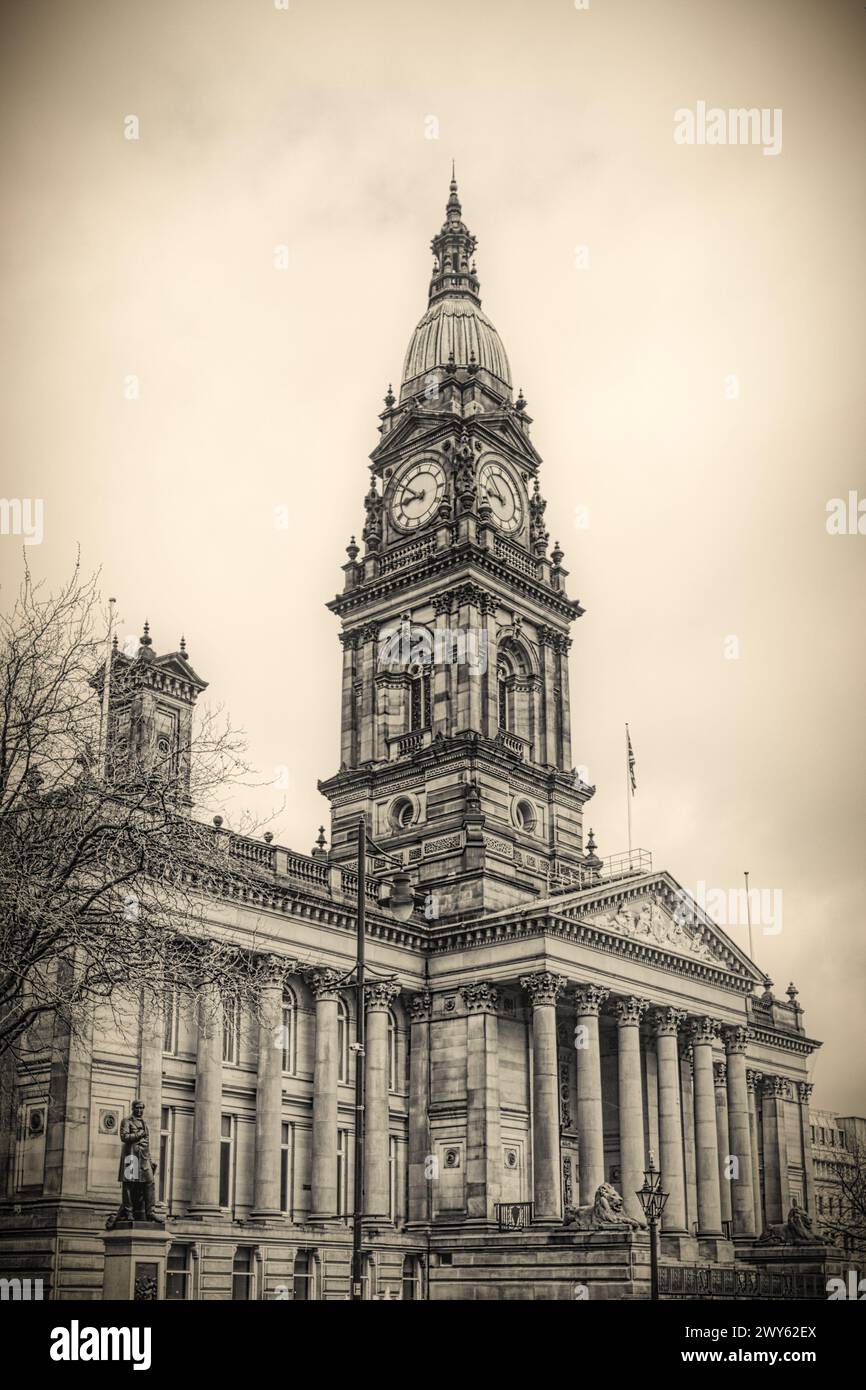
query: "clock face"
417, 493
503, 496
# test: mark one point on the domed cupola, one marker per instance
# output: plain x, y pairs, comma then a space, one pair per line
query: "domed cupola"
455, 334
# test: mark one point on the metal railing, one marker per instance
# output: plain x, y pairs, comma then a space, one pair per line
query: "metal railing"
564, 878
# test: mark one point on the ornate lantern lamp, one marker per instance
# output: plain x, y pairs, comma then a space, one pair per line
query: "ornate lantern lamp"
653, 1200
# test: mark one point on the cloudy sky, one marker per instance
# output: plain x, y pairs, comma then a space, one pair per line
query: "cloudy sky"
695, 377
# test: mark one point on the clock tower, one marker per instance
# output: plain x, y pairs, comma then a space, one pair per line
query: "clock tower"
455, 734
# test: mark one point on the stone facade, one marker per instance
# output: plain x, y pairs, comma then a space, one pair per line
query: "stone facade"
544, 1021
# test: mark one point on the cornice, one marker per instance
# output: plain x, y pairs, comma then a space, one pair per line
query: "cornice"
439, 564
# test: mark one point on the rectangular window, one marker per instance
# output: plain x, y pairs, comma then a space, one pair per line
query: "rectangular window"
303, 1282
288, 1038
227, 1157
287, 1146
231, 1030
342, 1172
166, 1154
243, 1275
177, 1272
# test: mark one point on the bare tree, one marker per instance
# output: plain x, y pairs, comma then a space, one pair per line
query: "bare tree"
845, 1224
108, 877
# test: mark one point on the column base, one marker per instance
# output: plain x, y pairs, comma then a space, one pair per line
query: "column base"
274, 1217
204, 1213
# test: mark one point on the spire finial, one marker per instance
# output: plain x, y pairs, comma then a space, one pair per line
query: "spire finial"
183, 650
146, 639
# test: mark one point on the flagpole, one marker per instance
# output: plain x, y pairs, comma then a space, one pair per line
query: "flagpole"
102, 760
628, 792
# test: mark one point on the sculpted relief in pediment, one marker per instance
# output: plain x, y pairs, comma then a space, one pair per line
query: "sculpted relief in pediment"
646, 921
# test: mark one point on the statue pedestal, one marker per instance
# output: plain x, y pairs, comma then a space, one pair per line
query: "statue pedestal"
135, 1258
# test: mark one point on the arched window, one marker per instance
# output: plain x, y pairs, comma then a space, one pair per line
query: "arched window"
289, 1032
342, 1041
420, 698
392, 1052
502, 674
510, 667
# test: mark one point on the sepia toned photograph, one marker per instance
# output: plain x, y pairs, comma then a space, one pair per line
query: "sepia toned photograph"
432, 572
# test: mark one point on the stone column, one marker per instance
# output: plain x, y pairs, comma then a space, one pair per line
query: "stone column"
667, 1022
687, 1093
544, 989
208, 1104
703, 1031
804, 1095
349, 641
742, 1192
441, 691
420, 1008
483, 1140
547, 751
588, 1000
269, 1097
377, 1195
777, 1192
753, 1083
720, 1078
366, 663
324, 987
629, 1013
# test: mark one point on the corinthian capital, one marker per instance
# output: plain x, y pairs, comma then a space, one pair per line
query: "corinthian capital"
543, 987
380, 995
754, 1079
588, 999
630, 1011
324, 984
779, 1087
481, 998
720, 1074
668, 1022
804, 1091
737, 1039
704, 1030
420, 1007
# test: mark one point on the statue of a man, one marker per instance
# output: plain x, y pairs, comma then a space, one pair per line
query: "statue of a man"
137, 1169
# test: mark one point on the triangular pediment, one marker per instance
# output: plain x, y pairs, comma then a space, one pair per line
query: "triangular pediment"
505, 434
669, 921
413, 430
176, 665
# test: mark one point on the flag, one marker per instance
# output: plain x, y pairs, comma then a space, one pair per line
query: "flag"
631, 762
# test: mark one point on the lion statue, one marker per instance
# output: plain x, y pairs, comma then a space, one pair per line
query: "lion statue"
606, 1213
797, 1230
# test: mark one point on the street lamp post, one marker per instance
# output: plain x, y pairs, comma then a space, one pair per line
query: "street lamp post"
360, 1024
402, 904
653, 1200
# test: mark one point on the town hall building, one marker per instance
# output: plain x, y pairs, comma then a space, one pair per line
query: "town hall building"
543, 1024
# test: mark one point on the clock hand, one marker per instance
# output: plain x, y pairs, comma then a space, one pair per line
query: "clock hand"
412, 496
497, 495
